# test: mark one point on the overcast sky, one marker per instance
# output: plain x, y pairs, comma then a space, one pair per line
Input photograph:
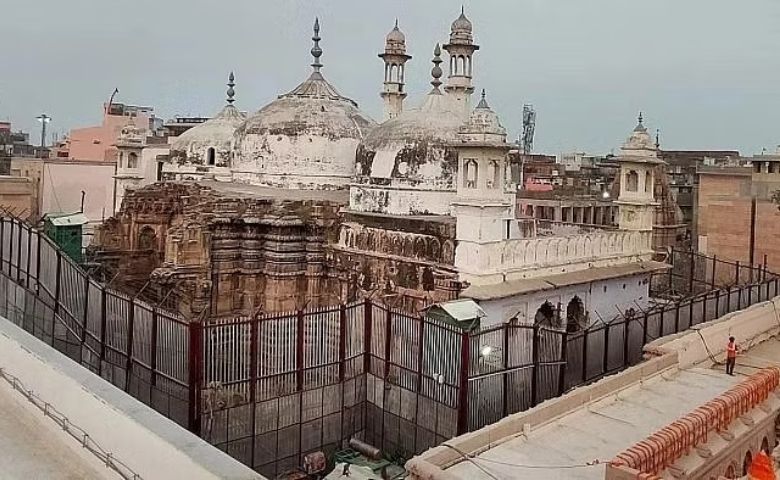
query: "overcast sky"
706, 72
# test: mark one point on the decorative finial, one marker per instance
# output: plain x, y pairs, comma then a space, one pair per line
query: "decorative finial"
482, 102
316, 51
436, 72
657, 138
462, 9
640, 119
230, 92
396, 24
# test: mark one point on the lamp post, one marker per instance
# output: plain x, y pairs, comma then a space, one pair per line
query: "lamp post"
44, 119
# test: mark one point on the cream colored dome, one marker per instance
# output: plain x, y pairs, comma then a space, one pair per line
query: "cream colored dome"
216, 133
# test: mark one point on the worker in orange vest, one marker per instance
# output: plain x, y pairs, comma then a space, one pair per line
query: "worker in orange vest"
761, 468
731, 356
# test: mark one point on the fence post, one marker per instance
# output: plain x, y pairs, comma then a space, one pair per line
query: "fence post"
153, 347
86, 317
299, 353
103, 311
505, 379
129, 349
739, 298
736, 281
19, 252
717, 303
195, 375
690, 311
420, 346
626, 326
463, 387
57, 282
692, 272
564, 364
367, 326
671, 273
535, 371
2, 243
253, 365
676, 319
585, 355
342, 339
605, 366
29, 251
37, 263
11, 248
388, 344
714, 269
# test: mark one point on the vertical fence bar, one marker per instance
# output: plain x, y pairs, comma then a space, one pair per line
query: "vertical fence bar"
84, 320
736, 280
19, 252
676, 319
37, 263
342, 339
195, 375
714, 269
626, 324
103, 311
388, 340
253, 366
605, 366
463, 381
535, 372
717, 303
153, 341
299, 360
29, 251
564, 364
692, 273
129, 349
505, 377
585, 355
57, 287
367, 327
644, 326
10, 247
420, 339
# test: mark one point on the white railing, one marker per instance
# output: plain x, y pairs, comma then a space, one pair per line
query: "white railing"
541, 253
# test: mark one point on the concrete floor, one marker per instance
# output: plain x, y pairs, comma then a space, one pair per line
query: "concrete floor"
32, 447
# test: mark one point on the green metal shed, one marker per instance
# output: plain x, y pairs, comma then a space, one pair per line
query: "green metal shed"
67, 231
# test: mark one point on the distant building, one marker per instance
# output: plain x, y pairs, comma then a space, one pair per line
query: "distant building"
98, 143
737, 217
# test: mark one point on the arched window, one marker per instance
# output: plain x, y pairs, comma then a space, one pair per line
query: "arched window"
546, 315
132, 160
746, 462
147, 238
632, 181
648, 182
731, 471
471, 174
493, 174
765, 446
576, 319
210, 156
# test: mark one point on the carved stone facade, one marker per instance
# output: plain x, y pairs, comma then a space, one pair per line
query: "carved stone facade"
238, 251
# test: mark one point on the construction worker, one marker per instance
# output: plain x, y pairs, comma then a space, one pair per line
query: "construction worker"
731, 356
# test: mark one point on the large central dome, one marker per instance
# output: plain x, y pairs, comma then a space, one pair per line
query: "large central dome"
306, 138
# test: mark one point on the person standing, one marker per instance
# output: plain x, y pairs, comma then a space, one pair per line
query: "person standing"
731, 356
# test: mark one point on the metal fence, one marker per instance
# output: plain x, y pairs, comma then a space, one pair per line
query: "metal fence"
271, 388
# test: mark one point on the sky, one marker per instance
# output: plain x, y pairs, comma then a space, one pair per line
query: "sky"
704, 72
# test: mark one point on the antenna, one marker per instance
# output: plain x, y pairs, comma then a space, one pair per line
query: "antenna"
529, 128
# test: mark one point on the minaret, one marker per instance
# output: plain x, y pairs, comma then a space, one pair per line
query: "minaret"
638, 159
395, 59
461, 50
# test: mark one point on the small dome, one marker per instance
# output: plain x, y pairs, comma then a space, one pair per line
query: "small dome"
395, 35
483, 125
639, 139
415, 147
462, 24
461, 32
209, 143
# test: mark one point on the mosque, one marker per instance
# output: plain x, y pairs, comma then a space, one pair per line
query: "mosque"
310, 202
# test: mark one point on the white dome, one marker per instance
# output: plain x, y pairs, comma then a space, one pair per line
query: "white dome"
304, 139
192, 146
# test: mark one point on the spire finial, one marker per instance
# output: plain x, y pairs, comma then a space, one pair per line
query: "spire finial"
316, 51
436, 72
230, 92
657, 138
641, 119
462, 9
396, 24
482, 101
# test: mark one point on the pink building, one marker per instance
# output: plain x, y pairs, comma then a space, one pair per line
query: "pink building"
98, 143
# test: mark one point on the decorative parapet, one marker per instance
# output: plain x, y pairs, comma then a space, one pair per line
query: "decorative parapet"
648, 458
532, 257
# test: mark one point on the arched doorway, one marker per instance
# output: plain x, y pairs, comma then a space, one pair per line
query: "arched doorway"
576, 318
211, 156
746, 463
147, 238
546, 316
